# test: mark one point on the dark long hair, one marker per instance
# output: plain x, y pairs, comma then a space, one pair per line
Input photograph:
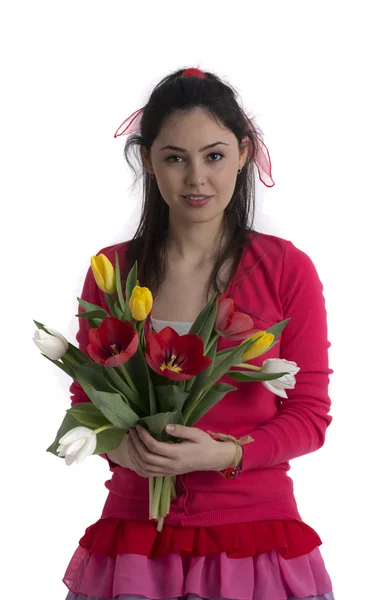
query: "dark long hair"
149, 244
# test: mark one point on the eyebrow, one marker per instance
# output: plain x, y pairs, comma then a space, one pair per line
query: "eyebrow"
200, 149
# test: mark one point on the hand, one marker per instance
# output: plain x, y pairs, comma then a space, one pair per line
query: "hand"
198, 452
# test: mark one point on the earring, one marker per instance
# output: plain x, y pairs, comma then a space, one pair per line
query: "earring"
239, 171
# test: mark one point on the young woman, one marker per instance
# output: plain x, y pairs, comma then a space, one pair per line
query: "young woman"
230, 534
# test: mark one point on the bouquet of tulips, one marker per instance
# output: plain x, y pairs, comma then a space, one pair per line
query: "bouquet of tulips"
134, 375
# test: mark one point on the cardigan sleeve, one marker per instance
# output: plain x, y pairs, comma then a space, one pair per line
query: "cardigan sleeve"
90, 293
299, 427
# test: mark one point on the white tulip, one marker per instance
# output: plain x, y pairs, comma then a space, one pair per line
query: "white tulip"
54, 345
77, 444
280, 365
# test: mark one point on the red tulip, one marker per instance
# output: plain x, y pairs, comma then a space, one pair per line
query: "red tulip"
230, 323
113, 342
177, 357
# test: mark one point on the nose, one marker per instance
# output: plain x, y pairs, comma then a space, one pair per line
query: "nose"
195, 175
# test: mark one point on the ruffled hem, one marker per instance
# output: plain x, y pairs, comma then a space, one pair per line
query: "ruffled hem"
264, 577
112, 536
71, 596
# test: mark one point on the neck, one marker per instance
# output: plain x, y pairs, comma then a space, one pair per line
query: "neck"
194, 242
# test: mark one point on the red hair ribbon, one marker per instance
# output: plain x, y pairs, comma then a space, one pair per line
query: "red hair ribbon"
194, 73
262, 158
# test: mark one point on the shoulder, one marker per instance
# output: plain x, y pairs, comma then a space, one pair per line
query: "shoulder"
110, 251
277, 250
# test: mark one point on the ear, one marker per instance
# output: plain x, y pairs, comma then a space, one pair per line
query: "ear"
146, 159
244, 148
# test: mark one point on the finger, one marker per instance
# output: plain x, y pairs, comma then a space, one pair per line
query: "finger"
145, 470
149, 458
159, 448
193, 434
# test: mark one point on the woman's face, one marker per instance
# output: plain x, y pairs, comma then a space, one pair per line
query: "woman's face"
194, 155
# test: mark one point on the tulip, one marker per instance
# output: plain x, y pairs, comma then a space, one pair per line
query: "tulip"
258, 347
104, 273
280, 365
113, 343
77, 444
140, 303
177, 357
230, 323
53, 344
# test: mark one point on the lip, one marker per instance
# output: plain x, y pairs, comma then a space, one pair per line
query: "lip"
196, 196
197, 201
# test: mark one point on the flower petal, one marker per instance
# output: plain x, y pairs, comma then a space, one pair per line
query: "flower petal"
75, 434
279, 392
70, 459
88, 449
74, 447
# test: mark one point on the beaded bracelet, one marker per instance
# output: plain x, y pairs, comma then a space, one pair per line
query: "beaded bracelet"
235, 470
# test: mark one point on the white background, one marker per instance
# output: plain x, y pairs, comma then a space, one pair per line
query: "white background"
71, 72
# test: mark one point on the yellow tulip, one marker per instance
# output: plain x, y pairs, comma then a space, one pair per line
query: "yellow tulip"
140, 303
104, 273
260, 346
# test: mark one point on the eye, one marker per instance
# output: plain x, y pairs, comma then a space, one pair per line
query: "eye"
216, 154
169, 158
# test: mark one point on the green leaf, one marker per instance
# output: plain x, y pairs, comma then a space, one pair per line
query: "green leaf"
208, 328
87, 414
93, 374
78, 354
91, 314
201, 378
65, 368
225, 360
156, 424
94, 323
68, 423
119, 285
254, 375
112, 407
119, 312
202, 317
111, 304
108, 440
209, 400
41, 326
138, 370
87, 306
131, 282
278, 328
116, 380
170, 398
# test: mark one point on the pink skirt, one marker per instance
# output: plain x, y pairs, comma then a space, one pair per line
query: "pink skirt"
266, 576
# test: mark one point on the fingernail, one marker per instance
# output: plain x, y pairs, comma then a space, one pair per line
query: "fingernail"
170, 428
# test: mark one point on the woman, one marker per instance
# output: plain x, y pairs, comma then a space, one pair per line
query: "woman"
231, 533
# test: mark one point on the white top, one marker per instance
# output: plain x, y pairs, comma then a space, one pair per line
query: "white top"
181, 327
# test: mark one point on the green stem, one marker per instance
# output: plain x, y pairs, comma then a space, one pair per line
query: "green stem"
247, 366
70, 360
193, 405
142, 340
129, 379
156, 497
151, 494
211, 343
165, 498
104, 427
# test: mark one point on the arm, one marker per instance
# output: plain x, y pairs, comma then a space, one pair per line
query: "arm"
301, 422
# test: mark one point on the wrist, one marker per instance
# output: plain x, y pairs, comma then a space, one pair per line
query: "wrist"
227, 455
